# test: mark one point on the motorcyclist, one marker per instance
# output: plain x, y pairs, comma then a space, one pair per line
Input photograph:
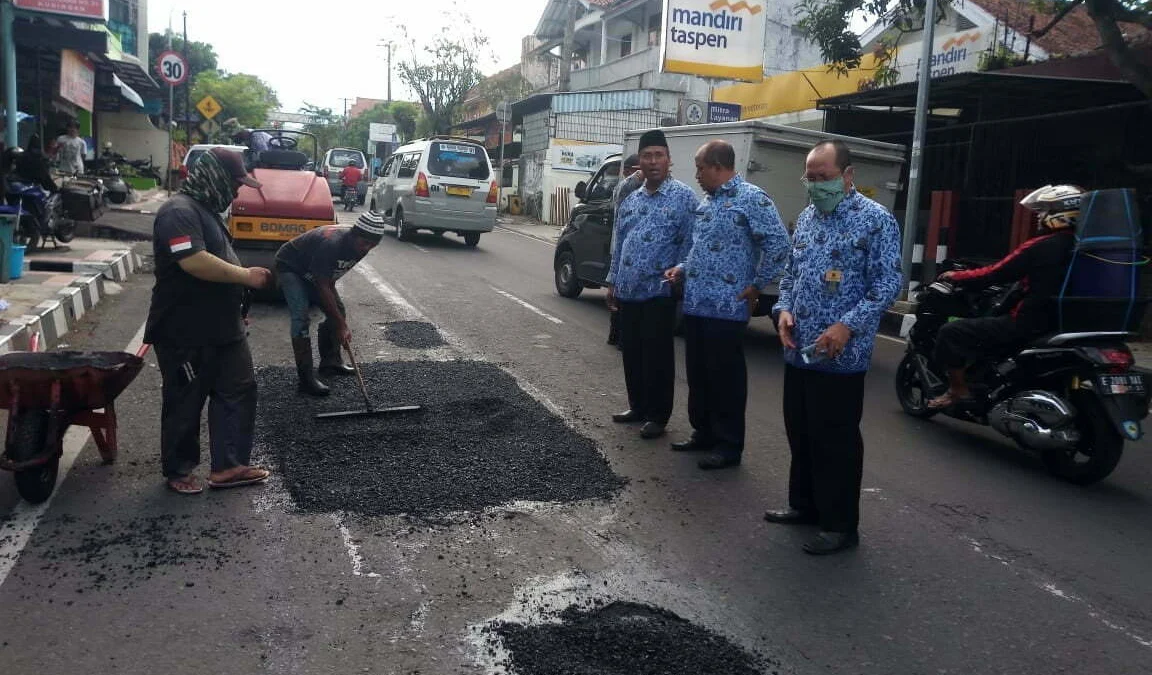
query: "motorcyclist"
1039, 265
352, 174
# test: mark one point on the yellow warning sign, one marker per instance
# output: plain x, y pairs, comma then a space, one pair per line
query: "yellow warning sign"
209, 107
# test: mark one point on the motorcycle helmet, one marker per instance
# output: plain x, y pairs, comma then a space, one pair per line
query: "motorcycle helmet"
1056, 206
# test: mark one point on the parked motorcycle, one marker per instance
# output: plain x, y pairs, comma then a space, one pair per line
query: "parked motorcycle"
349, 197
106, 168
42, 216
1072, 397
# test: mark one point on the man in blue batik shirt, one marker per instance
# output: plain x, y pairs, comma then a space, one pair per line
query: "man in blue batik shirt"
653, 226
843, 274
739, 246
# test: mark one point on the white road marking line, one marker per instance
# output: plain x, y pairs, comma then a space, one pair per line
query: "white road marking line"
420, 248
1041, 582
530, 307
524, 236
22, 522
352, 548
389, 293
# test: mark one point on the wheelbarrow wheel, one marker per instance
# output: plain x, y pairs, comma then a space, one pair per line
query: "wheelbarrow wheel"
29, 438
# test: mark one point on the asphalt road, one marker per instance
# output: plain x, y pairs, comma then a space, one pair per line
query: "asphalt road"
973, 559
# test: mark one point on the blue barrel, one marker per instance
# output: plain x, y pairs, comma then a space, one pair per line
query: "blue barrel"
16, 261
8, 220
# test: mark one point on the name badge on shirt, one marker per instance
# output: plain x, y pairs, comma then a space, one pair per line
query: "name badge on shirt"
832, 279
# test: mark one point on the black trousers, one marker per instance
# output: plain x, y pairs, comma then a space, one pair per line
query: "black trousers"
822, 418
961, 342
717, 382
222, 376
646, 343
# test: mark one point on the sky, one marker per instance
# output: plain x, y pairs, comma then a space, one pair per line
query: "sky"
329, 51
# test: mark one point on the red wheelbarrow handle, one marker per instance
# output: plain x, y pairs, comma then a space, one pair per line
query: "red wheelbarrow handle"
144, 349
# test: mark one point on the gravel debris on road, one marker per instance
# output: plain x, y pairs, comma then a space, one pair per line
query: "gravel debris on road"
622, 638
480, 441
413, 334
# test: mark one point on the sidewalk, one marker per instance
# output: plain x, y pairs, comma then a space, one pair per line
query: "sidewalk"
529, 227
147, 201
58, 287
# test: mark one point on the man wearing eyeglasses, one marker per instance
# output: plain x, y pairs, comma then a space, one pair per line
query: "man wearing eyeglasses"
843, 274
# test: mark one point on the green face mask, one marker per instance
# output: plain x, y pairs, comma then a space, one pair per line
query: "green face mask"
826, 195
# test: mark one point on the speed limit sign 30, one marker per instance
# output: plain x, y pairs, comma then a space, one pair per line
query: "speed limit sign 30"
172, 68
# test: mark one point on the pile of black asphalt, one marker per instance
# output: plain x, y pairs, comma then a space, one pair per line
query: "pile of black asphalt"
479, 441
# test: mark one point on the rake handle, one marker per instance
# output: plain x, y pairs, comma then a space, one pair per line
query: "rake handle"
359, 377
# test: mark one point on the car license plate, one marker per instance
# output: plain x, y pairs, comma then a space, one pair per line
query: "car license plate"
458, 191
1121, 384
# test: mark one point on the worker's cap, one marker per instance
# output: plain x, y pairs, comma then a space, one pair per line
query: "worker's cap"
655, 137
233, 163
368, 227
632, 161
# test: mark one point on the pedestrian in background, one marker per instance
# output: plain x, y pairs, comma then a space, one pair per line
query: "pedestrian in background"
739, 246
653, 230
843, 274
630, 178
71, 150
196, 324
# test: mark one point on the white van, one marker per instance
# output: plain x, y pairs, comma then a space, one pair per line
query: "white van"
333, 165
441, 184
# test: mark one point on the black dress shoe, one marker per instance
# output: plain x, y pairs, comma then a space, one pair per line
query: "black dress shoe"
832, 542
717, 461
627, 416
790, 517
651, 430
691, 445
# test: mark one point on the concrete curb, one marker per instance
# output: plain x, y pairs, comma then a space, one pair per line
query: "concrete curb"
526, 234
114, 265
52, 319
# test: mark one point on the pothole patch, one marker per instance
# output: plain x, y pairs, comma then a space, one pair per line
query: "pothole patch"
413, 334
479, 442
621, 638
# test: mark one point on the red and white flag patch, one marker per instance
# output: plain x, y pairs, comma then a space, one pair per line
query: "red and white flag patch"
178, 244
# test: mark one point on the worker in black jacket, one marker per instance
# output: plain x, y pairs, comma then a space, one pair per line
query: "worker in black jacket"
1039, 264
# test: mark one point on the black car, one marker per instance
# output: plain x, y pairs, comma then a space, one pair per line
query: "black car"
584, 250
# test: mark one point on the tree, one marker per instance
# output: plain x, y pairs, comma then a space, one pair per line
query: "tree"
508, 86
827, 24
405, 116
244, 97
324, 125
201, 59
441, 73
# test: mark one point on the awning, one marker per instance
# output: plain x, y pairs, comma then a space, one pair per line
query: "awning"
127, 92
131, 72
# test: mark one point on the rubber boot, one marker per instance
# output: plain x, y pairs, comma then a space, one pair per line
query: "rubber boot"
331, 362
302, 350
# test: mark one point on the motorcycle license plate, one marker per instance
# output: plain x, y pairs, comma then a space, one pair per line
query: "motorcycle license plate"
458, 191
1121, 384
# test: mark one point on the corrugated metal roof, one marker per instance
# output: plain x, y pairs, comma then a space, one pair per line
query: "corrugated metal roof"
590, 101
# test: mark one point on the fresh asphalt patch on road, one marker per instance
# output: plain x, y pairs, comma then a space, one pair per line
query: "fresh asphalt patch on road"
479, 442
413, 334
621, 638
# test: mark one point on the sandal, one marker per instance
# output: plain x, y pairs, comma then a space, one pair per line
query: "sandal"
251, 476
185, 485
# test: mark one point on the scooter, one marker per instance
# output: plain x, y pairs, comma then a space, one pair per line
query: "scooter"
1074, 397
116, 189
349, 197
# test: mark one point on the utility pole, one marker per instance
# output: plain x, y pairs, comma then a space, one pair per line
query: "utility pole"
389, 72
187, 88
503, 126
7, 19
566, 47
345, 110
919, 129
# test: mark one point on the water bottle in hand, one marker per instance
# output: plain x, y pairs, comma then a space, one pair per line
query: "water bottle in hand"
811, 354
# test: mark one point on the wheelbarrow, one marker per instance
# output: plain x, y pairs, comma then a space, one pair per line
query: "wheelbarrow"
45, 393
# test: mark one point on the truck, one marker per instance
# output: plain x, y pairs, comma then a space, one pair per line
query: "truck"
768, 155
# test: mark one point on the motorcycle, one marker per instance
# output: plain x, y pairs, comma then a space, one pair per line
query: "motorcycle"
42, 216
349, 197
1073, 397
116, 189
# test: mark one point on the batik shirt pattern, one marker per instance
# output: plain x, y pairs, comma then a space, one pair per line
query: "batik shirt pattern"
738, 241
653, 232
844, 267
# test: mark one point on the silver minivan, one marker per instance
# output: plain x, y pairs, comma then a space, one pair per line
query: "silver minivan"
441, 184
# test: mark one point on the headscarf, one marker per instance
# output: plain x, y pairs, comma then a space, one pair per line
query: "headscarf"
210, 184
